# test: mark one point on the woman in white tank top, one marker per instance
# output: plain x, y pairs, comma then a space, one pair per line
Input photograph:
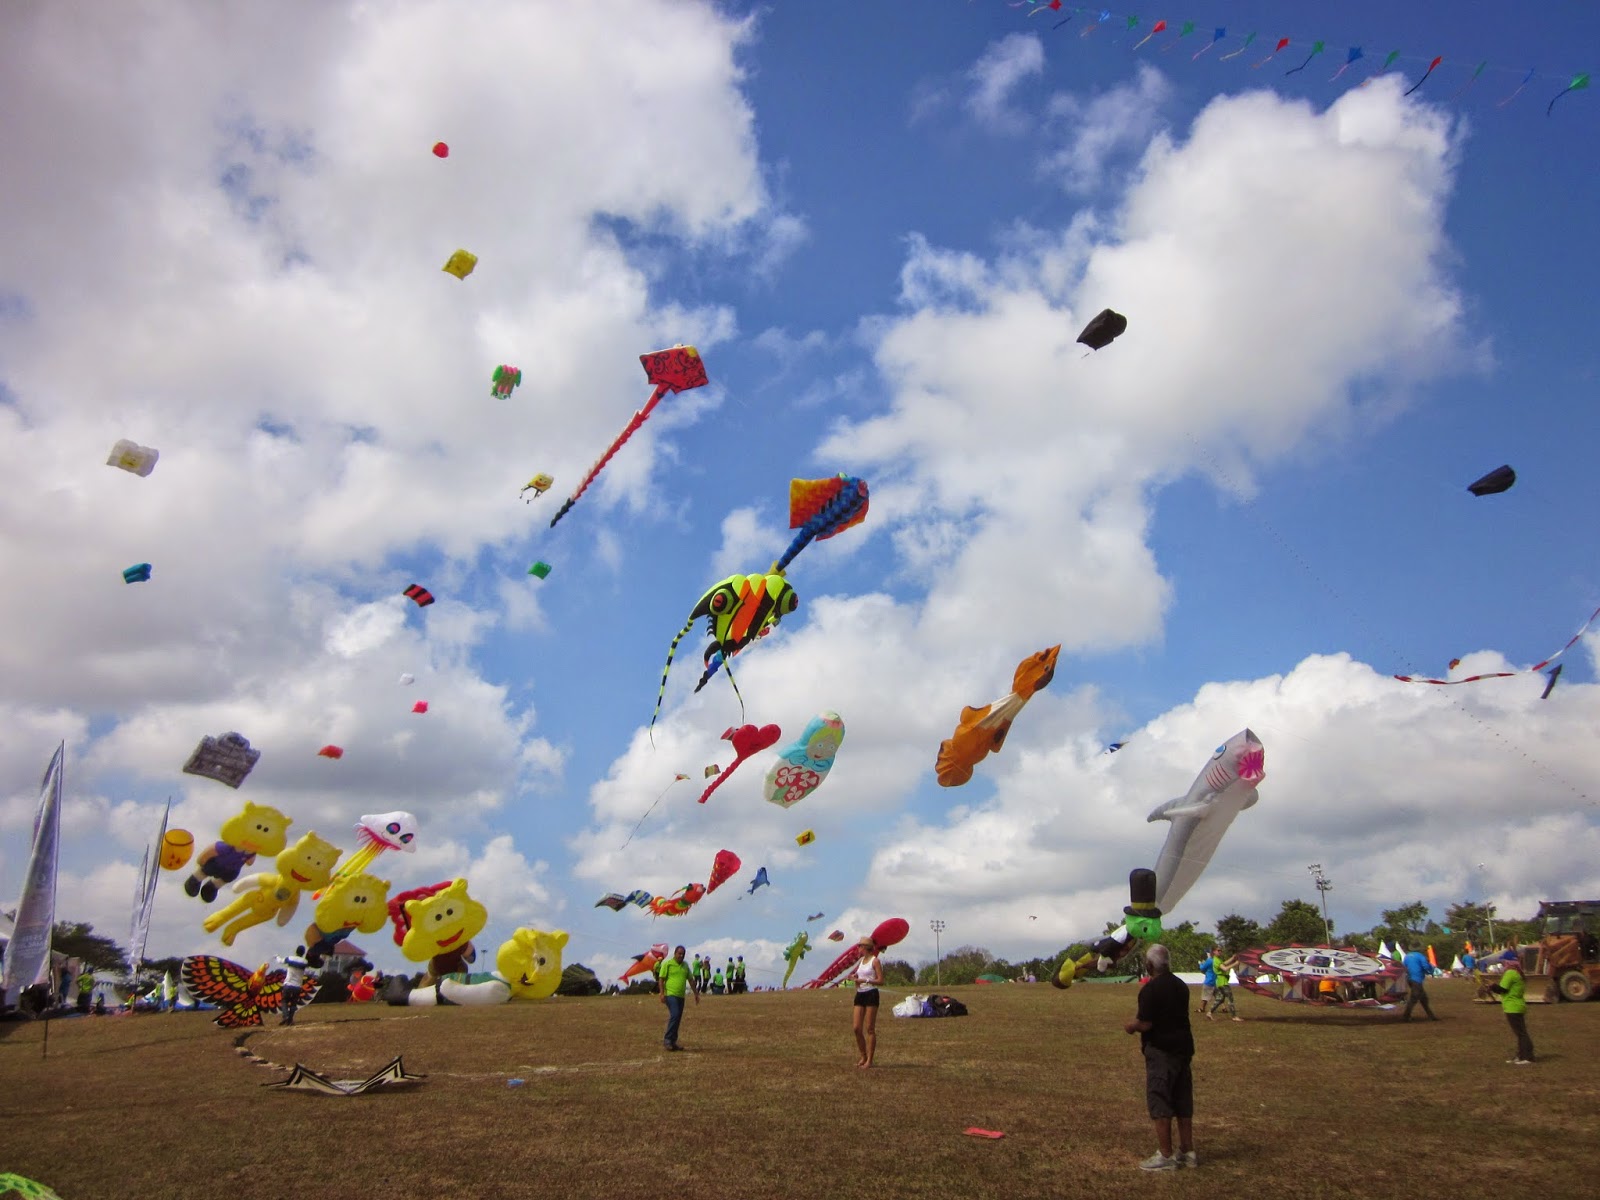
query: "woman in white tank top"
864, 1014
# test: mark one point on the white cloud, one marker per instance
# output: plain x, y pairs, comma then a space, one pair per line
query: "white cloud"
1003, 65
1094, 129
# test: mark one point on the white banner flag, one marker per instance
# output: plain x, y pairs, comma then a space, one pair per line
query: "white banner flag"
28, 956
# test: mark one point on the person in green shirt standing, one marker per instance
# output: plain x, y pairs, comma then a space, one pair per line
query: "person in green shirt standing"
1514, 1003
675, 980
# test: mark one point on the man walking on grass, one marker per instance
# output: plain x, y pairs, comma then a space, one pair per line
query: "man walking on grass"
1168, 1045
1417, 969
674, 980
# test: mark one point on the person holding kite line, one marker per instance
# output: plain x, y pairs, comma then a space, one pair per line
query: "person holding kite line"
864, 1013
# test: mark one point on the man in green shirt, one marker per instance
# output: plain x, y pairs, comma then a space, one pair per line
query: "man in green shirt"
1514, 1003
675, 980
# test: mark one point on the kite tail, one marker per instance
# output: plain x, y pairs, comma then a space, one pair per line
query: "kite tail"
830, 519
728, 664
639, 419
1302, 66
1425, 75
1525, 80
671, 650
1057, 25
712, 668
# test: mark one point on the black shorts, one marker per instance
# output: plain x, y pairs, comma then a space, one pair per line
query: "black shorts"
1168, 1084
867, 999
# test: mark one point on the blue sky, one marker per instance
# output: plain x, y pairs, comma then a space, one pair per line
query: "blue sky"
883, 226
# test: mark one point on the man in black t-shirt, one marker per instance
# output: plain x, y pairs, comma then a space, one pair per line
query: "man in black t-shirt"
1163, 1029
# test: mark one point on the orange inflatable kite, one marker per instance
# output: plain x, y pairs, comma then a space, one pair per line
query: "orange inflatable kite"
982, 731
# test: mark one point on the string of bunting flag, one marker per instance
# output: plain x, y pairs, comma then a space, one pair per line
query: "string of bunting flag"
1175, 34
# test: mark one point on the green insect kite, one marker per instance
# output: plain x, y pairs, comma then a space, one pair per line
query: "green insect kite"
737, 610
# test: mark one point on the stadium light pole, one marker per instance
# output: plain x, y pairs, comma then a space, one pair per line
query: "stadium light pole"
938, 928
1488, 909
1324, 886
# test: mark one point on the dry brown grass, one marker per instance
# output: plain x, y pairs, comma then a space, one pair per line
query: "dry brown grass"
767, 1102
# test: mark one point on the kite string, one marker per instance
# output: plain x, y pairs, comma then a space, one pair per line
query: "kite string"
1372, 633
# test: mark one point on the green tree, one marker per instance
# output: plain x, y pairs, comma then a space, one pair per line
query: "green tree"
77, 939
961, 965
898, 973
1297, 921
1407, 919
1471, 920
1238, 933
1186, 945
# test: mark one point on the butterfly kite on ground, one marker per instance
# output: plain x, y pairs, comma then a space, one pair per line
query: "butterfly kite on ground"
982, 731
242, 996
673, 370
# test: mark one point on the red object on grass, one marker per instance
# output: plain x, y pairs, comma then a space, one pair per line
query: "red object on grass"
974, 1131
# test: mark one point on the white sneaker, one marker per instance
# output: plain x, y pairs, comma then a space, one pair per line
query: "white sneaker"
1187, 1158
1159, 1162
1522, 1062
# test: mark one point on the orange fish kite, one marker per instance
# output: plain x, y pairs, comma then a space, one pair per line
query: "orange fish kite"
982, 731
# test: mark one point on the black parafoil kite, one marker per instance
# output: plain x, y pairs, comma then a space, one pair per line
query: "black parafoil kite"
1106, 328
1495, 482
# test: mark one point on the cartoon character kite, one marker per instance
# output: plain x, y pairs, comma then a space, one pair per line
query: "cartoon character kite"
375, 833
747, 741
804, 763
504, 381
673, 370
538, 485
982, 731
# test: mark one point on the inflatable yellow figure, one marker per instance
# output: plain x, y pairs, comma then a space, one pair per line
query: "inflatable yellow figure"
531, 963
438, 928
304, 866
254, 829
351, 903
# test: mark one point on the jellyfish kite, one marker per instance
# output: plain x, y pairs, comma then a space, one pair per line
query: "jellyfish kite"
673, 370
982, 731
375, 833
1105, 328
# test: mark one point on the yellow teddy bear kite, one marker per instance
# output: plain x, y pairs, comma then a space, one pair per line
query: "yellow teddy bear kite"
351, 903
304, 866
255, 829
436, 925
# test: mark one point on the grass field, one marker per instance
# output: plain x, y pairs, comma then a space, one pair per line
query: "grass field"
767, 1102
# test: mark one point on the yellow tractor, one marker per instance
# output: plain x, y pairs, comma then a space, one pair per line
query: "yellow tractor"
1565, 965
